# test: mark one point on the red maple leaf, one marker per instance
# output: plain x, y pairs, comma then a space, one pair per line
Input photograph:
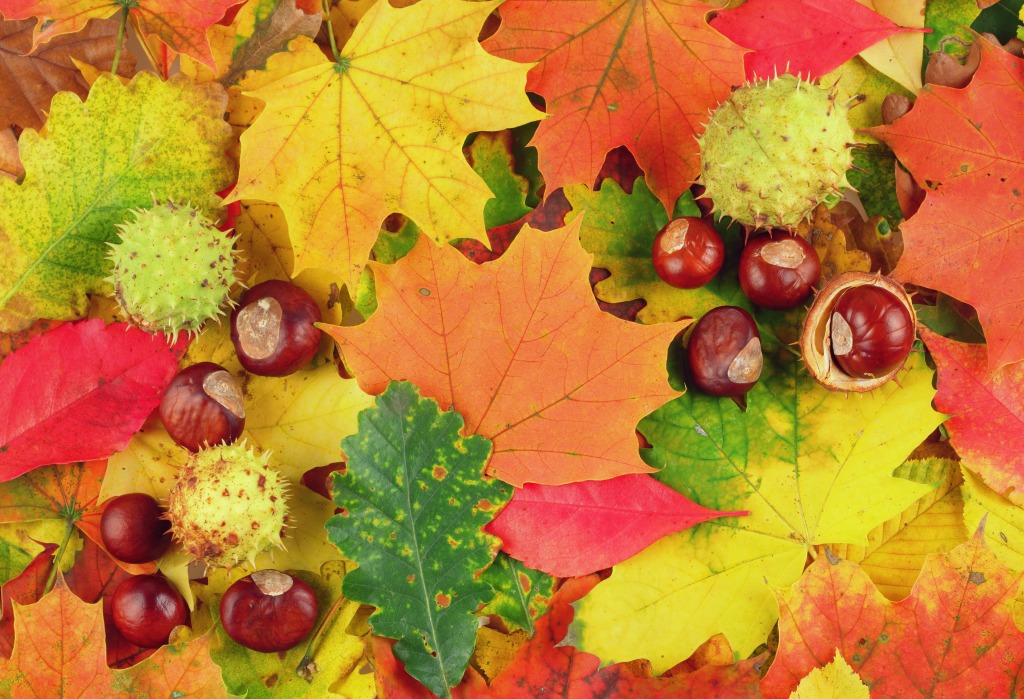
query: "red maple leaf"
966, 146
79, 392
954, 635
802, 37
985, 407
620, 73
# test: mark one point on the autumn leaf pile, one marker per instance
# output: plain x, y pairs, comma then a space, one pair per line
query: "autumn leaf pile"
500, 485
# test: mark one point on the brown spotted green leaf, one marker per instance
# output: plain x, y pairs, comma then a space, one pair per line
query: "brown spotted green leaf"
414, 501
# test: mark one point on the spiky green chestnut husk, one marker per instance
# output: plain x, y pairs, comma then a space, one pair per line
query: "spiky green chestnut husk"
775, 150
227, 505
172, 270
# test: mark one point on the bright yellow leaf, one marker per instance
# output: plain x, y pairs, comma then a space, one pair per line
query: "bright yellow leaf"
837, 680
812, 467
901, 55
339, 146
1004, 521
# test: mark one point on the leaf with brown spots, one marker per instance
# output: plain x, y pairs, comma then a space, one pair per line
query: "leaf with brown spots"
953, 636
414, 502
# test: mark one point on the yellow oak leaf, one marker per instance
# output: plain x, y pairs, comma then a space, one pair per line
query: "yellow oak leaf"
340, 145
812, 467
897, 548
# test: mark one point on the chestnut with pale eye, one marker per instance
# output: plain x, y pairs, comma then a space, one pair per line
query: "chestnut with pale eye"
202, 407
268, 611
872, 332
724, 352
146, 608
688, 252
272, 328
779, 270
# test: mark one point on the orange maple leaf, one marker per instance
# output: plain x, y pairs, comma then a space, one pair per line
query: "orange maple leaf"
59, 652
620, 73
966, 146
181, 24
954, 635
520, 349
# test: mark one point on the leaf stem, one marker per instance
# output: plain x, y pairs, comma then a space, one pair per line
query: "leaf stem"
120, 39
69, 528
307, 657
326, 4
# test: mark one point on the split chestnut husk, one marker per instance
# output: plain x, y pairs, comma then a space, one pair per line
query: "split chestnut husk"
817, 339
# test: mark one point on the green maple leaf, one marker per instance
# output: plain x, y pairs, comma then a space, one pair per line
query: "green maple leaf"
415, 501
125, 146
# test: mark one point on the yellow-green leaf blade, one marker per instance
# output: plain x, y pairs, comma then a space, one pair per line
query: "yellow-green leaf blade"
118, 150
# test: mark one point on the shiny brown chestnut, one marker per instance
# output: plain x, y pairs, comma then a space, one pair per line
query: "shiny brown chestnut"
146, 608
268, 611
820, 332
724, 352
272, 328
688, 252
133, 528
872, 332
779, 270
202, 406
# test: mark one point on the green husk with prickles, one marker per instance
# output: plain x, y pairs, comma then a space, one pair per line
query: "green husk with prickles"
775, 150
172, 269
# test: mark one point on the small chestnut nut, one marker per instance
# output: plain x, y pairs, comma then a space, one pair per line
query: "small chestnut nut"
133, 528
202, 406
268, 611
688, 252
272, 328
779, 270
146, 608
724, 353
872, 332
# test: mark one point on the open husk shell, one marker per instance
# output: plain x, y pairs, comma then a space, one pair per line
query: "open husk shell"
816, 338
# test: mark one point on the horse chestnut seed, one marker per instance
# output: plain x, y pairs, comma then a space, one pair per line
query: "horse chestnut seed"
724, 353
133, 528
202, 407
779, 270
268, 611
146, 608
872, 332
272, 328
688, 252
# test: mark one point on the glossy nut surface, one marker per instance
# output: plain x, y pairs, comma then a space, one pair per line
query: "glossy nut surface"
688, 252
203, 406
268, 611
133, 529
272, 328
146, 608
872, 332
779, 270
819, 332
724, 353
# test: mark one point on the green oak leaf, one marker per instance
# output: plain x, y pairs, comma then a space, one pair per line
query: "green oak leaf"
415, 501
619, 229
125, 146
521, 594
491, 156
1002, 19
811, 467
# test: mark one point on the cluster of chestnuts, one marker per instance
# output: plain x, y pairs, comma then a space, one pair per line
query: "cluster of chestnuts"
857, 333
273, 332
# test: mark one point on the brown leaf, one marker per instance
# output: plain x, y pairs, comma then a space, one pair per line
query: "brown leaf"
10, 160
28, 83
943, 69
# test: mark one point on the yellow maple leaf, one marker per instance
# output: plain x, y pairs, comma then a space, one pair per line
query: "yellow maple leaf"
340, 145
